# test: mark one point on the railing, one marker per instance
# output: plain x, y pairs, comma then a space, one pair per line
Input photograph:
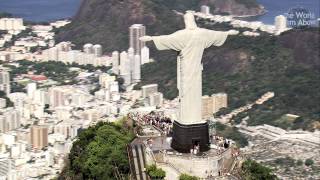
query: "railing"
158, 162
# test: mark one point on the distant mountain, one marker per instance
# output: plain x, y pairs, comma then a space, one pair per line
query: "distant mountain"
106, 21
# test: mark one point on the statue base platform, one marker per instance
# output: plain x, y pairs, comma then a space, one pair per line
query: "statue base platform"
185, 137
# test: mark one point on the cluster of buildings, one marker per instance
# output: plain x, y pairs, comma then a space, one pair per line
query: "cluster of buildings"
91, 54
212, 104
5, 81
37, 133
13, 25
128, 64
279, 26
151, 95
26, 47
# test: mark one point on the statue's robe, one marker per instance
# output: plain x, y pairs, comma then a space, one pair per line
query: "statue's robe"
190, 44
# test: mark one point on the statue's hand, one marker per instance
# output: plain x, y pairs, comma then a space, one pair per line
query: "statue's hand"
145, 38
233, 32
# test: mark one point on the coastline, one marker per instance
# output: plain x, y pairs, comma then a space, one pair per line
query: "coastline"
250, 16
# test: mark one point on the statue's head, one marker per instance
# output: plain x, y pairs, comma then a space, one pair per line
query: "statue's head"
189, 21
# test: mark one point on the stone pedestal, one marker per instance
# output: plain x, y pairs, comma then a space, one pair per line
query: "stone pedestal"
184, 137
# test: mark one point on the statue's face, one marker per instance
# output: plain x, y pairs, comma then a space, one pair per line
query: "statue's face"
189, 21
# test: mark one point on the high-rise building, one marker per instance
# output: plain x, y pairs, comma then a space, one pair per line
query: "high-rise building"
15, 24
39, 137
149, 89
88, 48
5, 81
125, 68
6, 167
105, 80
114, 86
41, 97
280, 23
219, 100
213, 104
10, 120
53, 54
91, 115
97, 50
155, 99
64, 46
115, 62
67, 96
205, 10
31, 88
145, 55
135, 32
136, 71
3, 103
63, 112
207, 107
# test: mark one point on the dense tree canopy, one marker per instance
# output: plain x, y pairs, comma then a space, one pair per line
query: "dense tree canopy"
99, 153
231, 133
187, 177
155, 173
251, 170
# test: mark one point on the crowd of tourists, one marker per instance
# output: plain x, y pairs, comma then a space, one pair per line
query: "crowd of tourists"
156, 119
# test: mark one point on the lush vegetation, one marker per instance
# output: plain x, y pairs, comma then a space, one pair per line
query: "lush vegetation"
99, 153
57, 71
231, 133
248, 3
24, 33
187, 177
155, 173
286, 161
251, 170
309, 162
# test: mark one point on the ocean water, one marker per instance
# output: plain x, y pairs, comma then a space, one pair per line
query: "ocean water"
40, 10
49, 10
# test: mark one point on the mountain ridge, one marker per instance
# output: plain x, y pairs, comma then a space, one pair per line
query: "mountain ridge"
106, 22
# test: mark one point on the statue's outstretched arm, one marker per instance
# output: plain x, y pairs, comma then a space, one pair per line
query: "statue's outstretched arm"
145, 38
165, 42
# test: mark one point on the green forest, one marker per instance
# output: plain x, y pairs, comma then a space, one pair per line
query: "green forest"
99, 153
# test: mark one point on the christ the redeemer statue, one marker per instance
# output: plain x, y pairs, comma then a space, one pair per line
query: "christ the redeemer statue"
190, 130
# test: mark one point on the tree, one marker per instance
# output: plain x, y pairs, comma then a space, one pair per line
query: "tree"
251, 170
299, 162
187, 177
99, 150
308, 162
155, 173
231, 133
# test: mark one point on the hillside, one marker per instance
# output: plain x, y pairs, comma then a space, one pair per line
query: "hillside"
106, 21
246, 68
99, 153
